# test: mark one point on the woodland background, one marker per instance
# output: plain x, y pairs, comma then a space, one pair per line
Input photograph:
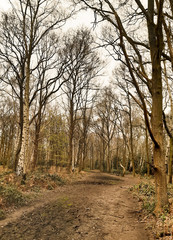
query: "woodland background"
54, 109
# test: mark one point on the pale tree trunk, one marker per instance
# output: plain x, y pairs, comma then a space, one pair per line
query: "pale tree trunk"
17, 147
23, 158
20, 133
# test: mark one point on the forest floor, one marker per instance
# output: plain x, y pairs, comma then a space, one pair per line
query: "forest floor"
96, 206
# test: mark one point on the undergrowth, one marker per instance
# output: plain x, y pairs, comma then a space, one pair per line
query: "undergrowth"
164, 222
14, 193
38, 180
2, 214
146, 194
12, 196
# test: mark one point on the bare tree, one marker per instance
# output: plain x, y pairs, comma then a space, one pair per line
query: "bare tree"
105, 124
127, 43
23, 31
84, 66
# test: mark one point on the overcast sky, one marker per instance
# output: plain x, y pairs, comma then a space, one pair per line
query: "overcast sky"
4, 5
83, 18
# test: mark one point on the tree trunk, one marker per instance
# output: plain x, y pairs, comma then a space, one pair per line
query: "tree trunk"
71, 135
124, 156
36, 144
156, 48
92, 157
23, 158
19, 137
108, 159
131, 137
171, 105
17, 148
157, 128
170, 162
147, 152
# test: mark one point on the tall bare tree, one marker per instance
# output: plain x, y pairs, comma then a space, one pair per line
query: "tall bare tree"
128, 43
105, 124
23, 30
84, 66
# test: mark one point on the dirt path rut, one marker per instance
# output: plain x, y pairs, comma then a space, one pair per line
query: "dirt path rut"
96, 207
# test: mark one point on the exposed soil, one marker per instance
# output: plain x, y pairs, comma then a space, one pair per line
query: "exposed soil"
96, 207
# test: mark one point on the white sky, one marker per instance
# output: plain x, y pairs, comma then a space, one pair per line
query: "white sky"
4, 5
84, 18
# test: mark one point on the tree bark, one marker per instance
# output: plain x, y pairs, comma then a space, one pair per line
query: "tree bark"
19, 137
147, 152
108, 158
71, 135
156, 48
23, 158
131, 135
170, 161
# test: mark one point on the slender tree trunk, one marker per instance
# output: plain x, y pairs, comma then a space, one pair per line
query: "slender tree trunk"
83, 153
124, 156
36, 144
100, 153
84, 150
117, 157
131, 137
170, 162
80, 163
103, 155
147, 152
92, 156
70, 153
108, 159
19, 137
23, 158
17, 148
71, 134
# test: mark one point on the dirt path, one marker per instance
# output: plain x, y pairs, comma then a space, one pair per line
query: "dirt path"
97, 207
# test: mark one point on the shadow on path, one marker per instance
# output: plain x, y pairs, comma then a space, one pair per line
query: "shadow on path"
97, 207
